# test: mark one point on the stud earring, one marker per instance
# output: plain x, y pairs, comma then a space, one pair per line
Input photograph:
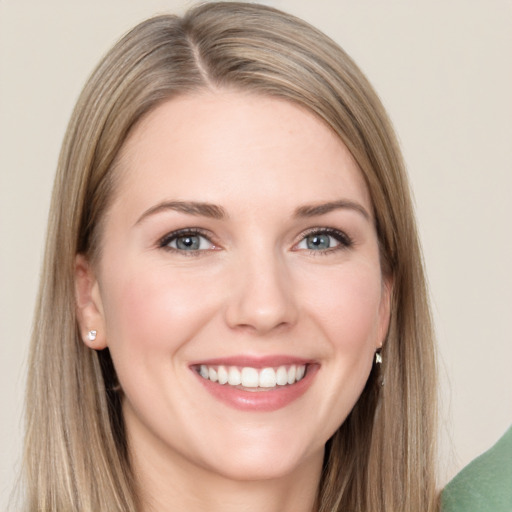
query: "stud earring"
378, 357
91, 335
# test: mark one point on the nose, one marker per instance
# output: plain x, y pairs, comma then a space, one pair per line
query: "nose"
261, 298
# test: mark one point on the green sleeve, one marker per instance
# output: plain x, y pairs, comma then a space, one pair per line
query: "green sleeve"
485, 485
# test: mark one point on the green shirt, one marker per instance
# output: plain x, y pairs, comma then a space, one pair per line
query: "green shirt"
485, 485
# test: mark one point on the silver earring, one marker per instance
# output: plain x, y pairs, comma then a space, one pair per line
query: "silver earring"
378, 357
91, 335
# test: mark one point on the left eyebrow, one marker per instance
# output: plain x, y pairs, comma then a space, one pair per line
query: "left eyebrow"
188, 207
313, 210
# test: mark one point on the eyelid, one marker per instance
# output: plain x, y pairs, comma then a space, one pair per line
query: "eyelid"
164, 241
345, 241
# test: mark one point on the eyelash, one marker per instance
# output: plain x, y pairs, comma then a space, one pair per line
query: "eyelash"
170, 237
345, 242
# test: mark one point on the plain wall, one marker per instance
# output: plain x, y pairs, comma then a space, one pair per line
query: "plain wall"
443, 70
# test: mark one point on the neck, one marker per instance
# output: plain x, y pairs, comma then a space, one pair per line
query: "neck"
183, 486
228, 496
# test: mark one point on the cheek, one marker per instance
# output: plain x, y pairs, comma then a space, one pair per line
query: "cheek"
347, 305
154, 311
344, 305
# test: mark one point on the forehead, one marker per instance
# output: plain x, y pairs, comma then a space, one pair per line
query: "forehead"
224, 144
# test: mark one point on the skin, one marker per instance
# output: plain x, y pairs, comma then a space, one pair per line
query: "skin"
257, 286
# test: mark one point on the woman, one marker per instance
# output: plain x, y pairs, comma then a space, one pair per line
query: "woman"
233, 311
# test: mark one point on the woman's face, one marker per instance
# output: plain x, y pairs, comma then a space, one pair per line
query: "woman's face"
239, 246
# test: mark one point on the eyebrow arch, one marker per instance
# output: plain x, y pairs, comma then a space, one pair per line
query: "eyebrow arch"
323, 208
189, 207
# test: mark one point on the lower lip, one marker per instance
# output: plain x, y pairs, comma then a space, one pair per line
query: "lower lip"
260, 401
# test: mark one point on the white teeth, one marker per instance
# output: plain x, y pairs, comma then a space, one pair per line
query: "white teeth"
222, 374
250, 377
212, 374
268, 378
234, 377
292, 373
282, 376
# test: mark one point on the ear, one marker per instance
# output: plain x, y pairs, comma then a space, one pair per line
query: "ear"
89, 308
385, 309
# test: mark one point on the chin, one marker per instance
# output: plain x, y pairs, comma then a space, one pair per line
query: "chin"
272, 468
263, 459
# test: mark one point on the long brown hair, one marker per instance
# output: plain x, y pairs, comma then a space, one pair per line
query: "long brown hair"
382, 457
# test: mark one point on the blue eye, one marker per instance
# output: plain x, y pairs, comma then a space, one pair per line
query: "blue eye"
324, 240
187, 241
321, 241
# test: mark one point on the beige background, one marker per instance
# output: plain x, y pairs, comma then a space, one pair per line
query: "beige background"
443, 70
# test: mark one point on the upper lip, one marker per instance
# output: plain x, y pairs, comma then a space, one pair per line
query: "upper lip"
254, 361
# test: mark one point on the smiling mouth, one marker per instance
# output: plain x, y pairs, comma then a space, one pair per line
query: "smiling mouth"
253, 379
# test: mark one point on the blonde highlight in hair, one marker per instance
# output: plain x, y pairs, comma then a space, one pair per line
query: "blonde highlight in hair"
382, 457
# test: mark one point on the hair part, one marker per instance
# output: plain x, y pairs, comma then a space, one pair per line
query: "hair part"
382, 457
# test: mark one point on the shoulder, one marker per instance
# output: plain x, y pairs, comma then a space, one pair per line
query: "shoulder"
485, 485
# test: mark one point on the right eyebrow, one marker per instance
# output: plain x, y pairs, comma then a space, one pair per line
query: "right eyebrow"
189, 207
313, 210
